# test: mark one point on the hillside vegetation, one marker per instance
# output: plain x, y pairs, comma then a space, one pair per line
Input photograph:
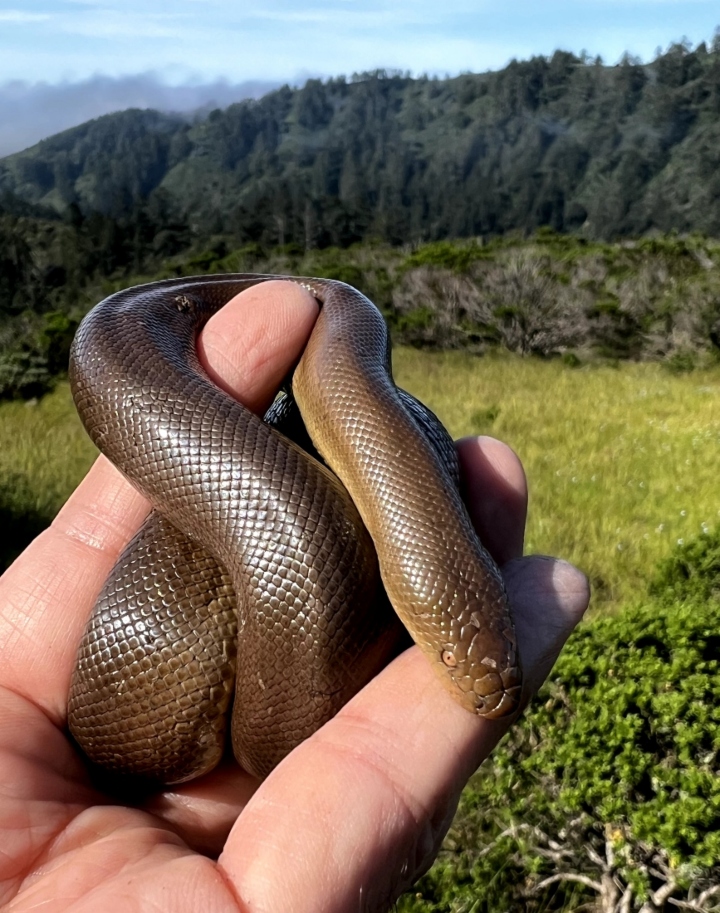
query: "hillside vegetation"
566, 142
550, 295
550, 169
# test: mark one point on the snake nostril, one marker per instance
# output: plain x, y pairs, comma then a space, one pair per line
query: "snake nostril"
448, 657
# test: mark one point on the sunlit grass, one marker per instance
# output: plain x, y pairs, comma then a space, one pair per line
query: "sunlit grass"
622, 463
43, 444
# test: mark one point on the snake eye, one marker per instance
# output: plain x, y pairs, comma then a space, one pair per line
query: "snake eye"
448, 657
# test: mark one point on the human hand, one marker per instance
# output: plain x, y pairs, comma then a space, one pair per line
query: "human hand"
352, 817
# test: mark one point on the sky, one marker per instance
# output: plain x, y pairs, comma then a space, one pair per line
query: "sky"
64, 61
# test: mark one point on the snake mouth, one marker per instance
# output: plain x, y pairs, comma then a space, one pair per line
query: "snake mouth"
500, 703
484, 691
496, 693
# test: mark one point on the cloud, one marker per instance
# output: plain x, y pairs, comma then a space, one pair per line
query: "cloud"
31, 112
115, 25
21, 16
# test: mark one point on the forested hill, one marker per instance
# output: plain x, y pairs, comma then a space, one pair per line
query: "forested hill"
564, 142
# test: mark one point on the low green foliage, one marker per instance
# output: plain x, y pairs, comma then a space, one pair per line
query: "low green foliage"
35, 353
548, 295
448, 255
631, 731
614, 771
692, 572
24, 374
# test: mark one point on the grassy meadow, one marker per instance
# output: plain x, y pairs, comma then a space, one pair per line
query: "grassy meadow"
44, 452
622, 462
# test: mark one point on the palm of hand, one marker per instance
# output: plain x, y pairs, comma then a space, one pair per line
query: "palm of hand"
351, 818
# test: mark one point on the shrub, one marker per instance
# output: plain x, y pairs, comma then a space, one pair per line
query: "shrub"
692, 572
449, 255
33, 352
24, 375
608, 791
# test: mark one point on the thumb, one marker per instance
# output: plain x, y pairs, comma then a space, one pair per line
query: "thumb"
249, 346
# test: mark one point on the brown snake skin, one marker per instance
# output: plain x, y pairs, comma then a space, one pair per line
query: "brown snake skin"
243, 513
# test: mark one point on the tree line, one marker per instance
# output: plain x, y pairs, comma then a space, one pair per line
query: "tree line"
564, 141
377, 169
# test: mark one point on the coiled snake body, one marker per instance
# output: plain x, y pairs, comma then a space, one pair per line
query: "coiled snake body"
244, 515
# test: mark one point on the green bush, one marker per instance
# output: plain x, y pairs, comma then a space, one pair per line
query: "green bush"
571, 360
692, 572
56, 338
341, 272
24, 375
612, 777
456, 256
36, 354
682, 361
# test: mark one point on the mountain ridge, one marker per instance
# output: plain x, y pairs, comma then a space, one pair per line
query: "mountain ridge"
561, 141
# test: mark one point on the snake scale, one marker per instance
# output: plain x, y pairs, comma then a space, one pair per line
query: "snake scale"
257, 584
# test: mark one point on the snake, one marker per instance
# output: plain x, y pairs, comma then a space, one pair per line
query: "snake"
286, 558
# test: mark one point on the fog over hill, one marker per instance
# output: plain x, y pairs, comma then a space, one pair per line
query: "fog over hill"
30, 112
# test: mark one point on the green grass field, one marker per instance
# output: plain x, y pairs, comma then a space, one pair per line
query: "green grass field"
622, 462
44, 452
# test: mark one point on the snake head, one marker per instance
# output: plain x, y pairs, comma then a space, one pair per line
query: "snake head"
485, 677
